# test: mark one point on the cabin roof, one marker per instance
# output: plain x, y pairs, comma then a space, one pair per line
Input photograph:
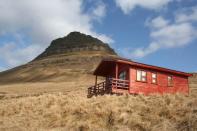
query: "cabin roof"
106, 64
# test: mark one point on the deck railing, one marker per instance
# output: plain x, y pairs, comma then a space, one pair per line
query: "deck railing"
106, 86
97, 89
119, 83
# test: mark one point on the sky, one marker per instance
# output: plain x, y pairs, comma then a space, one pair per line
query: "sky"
156, 32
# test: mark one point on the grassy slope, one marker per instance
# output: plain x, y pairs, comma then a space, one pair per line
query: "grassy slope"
61, 68
71, 110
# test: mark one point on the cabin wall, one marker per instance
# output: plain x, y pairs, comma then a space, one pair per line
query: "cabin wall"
180, 84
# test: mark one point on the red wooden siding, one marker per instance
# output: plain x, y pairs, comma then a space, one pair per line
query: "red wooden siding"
180, 84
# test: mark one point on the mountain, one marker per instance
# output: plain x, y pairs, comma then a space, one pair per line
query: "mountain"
71, 58
75, 42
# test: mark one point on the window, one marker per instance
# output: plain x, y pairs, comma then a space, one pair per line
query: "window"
122, 75
170, 81
154, 78
141, 76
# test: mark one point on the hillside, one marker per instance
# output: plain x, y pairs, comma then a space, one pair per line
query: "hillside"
67, 59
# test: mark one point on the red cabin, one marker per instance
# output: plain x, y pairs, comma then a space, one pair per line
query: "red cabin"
126, 76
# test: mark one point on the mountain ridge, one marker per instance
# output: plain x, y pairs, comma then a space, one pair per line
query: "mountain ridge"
75, 42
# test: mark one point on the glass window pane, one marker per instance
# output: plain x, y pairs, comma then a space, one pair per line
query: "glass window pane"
154, 78
138, 75
122, 75
143, 73
153, 75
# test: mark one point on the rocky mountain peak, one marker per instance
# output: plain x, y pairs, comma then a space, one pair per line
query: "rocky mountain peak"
75, 42
77, 37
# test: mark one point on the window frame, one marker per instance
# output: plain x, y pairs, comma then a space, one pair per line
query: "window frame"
141, 75
155, 78
170, 85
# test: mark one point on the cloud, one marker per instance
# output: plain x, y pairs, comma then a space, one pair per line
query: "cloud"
45, 20
14, 54
158, 22
166, 34
186, 15
128, 5
100, 10
174, 35
41, 22
171, 36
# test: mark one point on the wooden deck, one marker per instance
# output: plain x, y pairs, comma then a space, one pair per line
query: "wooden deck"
111, 85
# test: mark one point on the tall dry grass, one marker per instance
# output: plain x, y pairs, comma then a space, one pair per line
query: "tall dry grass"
74, 111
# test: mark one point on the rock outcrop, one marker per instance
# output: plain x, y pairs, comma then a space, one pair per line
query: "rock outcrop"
75, 42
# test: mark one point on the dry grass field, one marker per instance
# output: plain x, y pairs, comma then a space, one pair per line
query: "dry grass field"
64, 106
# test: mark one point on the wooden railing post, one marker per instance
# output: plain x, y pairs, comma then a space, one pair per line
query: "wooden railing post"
96, 80
116, 70
116, 75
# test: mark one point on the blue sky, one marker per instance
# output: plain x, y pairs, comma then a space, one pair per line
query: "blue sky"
157, 32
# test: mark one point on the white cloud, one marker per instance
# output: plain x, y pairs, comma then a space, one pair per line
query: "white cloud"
165, 34
186, 15
99, 11
46, 20
158, 22
14, 55
128, 5
170, 36
174, 35
41, 22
